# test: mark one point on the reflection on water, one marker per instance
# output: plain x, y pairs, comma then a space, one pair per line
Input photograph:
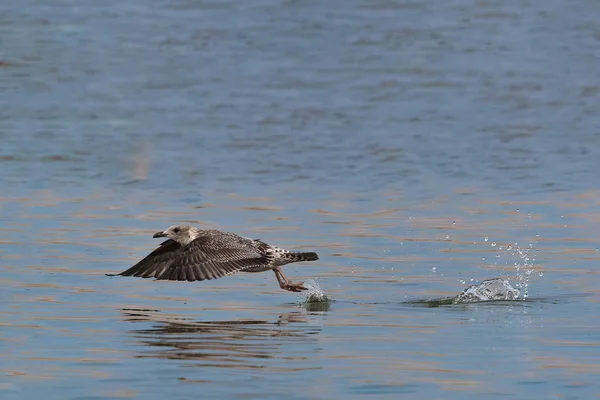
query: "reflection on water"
235, 344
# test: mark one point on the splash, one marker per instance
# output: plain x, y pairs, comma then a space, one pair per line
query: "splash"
524, 267
314, 294
489, 290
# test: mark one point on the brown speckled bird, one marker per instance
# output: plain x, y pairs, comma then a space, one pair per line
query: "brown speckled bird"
192, 254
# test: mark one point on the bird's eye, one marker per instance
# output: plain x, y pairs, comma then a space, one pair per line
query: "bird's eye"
176, 230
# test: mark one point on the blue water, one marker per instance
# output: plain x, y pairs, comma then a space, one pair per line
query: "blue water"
391, 137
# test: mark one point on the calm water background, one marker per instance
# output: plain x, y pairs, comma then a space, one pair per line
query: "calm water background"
391, 137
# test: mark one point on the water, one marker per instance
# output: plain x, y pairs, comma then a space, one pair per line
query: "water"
495, 289
392, 138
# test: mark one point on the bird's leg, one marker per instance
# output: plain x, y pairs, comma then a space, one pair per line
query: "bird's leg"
286, 284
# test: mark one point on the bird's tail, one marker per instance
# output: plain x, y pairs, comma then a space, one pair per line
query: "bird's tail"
298, 257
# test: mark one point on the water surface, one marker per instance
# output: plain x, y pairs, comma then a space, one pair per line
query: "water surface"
417, 147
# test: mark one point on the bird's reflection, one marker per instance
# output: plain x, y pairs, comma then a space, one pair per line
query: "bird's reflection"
237, 343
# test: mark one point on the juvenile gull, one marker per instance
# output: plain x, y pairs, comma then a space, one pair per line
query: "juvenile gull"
192, 254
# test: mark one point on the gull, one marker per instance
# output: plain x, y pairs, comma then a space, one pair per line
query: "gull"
192, 254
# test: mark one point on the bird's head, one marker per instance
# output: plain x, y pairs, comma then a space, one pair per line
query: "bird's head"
180, 233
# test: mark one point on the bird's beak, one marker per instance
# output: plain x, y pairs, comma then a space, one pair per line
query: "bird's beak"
159, 235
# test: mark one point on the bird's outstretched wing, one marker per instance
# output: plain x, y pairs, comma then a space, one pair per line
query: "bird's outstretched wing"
207, 257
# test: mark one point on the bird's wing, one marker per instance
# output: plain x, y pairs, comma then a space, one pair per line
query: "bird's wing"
155, 262
207, 257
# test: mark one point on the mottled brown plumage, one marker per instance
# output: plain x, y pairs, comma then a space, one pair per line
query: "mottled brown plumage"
192, 254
